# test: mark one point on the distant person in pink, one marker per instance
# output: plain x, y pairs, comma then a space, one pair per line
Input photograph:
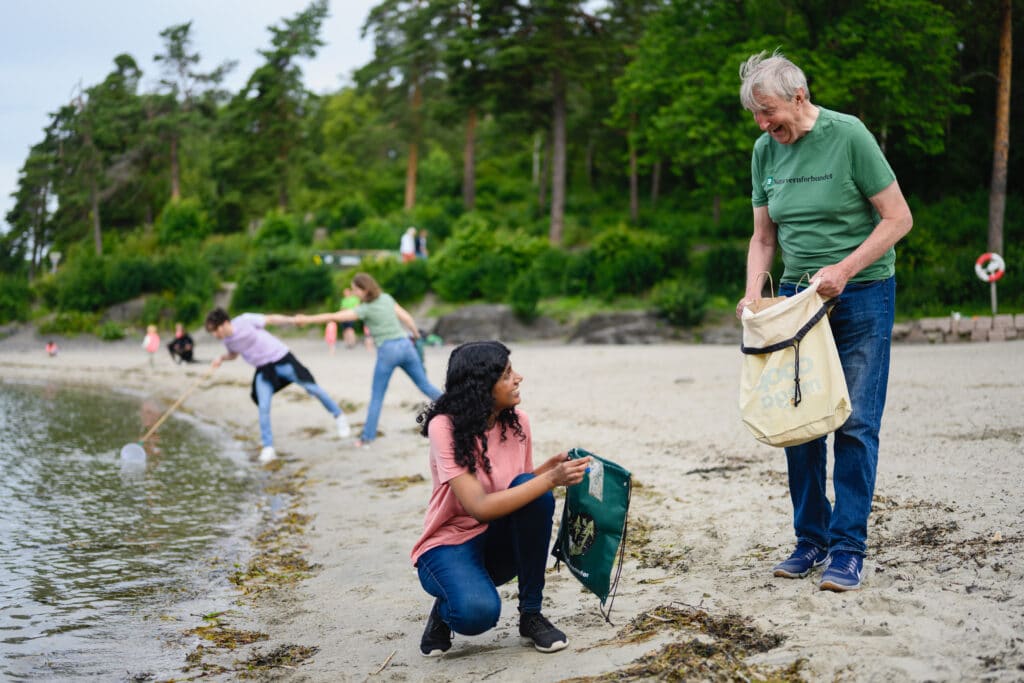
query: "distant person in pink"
151, 342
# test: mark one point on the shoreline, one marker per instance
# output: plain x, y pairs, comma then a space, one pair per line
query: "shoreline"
710, 513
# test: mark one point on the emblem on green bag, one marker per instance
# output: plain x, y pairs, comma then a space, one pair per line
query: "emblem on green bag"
581, 534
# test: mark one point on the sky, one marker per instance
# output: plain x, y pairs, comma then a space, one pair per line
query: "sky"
50, 49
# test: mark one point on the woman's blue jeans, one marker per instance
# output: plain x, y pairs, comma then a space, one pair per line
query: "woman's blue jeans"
465, 577
394, 353
265, 392
862, 325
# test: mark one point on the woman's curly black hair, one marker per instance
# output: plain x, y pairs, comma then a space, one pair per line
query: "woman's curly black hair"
468, 401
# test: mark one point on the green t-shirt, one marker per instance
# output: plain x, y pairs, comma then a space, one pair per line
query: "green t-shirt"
379, 316
350, 301
817, 191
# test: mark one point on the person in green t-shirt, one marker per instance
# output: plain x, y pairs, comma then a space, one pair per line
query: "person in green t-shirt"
393, 332
348, 328
825, 196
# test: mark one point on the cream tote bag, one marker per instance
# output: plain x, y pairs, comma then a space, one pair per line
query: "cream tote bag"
792, 388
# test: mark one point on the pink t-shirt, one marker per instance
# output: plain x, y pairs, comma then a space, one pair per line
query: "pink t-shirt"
446, 521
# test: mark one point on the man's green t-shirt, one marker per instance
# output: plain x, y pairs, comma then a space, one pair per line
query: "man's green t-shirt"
817, 191
379, 315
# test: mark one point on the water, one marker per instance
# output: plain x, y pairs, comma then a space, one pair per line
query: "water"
102, 568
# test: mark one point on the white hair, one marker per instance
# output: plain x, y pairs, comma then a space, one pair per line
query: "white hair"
772, 76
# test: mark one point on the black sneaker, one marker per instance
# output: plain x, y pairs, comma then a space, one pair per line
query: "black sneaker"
437, 637
545, 637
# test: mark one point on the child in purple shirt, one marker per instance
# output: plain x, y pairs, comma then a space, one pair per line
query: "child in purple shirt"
275, 365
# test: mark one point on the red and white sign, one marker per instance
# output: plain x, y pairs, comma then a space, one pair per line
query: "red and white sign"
989, 267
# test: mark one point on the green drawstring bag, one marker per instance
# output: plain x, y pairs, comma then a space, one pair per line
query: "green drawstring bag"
593, 528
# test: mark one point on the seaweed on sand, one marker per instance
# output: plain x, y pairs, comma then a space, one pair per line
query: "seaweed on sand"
715, 649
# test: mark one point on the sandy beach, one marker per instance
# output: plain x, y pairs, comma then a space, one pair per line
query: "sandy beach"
943, 596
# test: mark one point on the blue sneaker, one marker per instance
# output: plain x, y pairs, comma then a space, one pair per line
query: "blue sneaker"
806, 557
843, 572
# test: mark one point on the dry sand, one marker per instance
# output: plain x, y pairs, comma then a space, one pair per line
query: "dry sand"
943, 595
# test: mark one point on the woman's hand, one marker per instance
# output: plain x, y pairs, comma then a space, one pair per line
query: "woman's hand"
565, 472
743, 303
831, 281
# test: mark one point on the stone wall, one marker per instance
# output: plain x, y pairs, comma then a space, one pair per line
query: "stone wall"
954, 329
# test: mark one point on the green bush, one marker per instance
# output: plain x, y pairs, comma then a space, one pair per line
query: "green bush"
277, 230
681, 302
725, 269
349, 213
125, 277
281, 279
456, 269
373, 233
15, 296
157, 309
69, 323
628, 261
182, 221
524, 296
549, 270
404, 281
580, 273
189, 308
81, 283
110, 331
183, 275
480, 262
225, 254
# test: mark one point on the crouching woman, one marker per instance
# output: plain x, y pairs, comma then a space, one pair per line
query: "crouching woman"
490, 513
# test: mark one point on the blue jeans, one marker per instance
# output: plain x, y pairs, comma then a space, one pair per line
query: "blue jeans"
265, 392
394, 353
862, 325
464, 577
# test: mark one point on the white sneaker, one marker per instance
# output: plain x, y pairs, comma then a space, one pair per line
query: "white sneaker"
268, 454
344, 431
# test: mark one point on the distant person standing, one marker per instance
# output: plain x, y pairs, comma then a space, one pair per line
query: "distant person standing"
407, 247
275, 365
421, 244
181, 346
331, 335
348, 328
51, 348
151, 342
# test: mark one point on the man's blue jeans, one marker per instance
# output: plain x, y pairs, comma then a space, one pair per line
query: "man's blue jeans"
265, 392
862, 325
394, 353
464, 577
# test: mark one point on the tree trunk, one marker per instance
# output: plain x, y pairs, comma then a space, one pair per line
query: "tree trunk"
282, 186
589, 164
655, 182
634, 180
634, 187
175, 170
545, 173
537, 142
469, 163
557, 158
414, 149
1001, 146
94, 211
